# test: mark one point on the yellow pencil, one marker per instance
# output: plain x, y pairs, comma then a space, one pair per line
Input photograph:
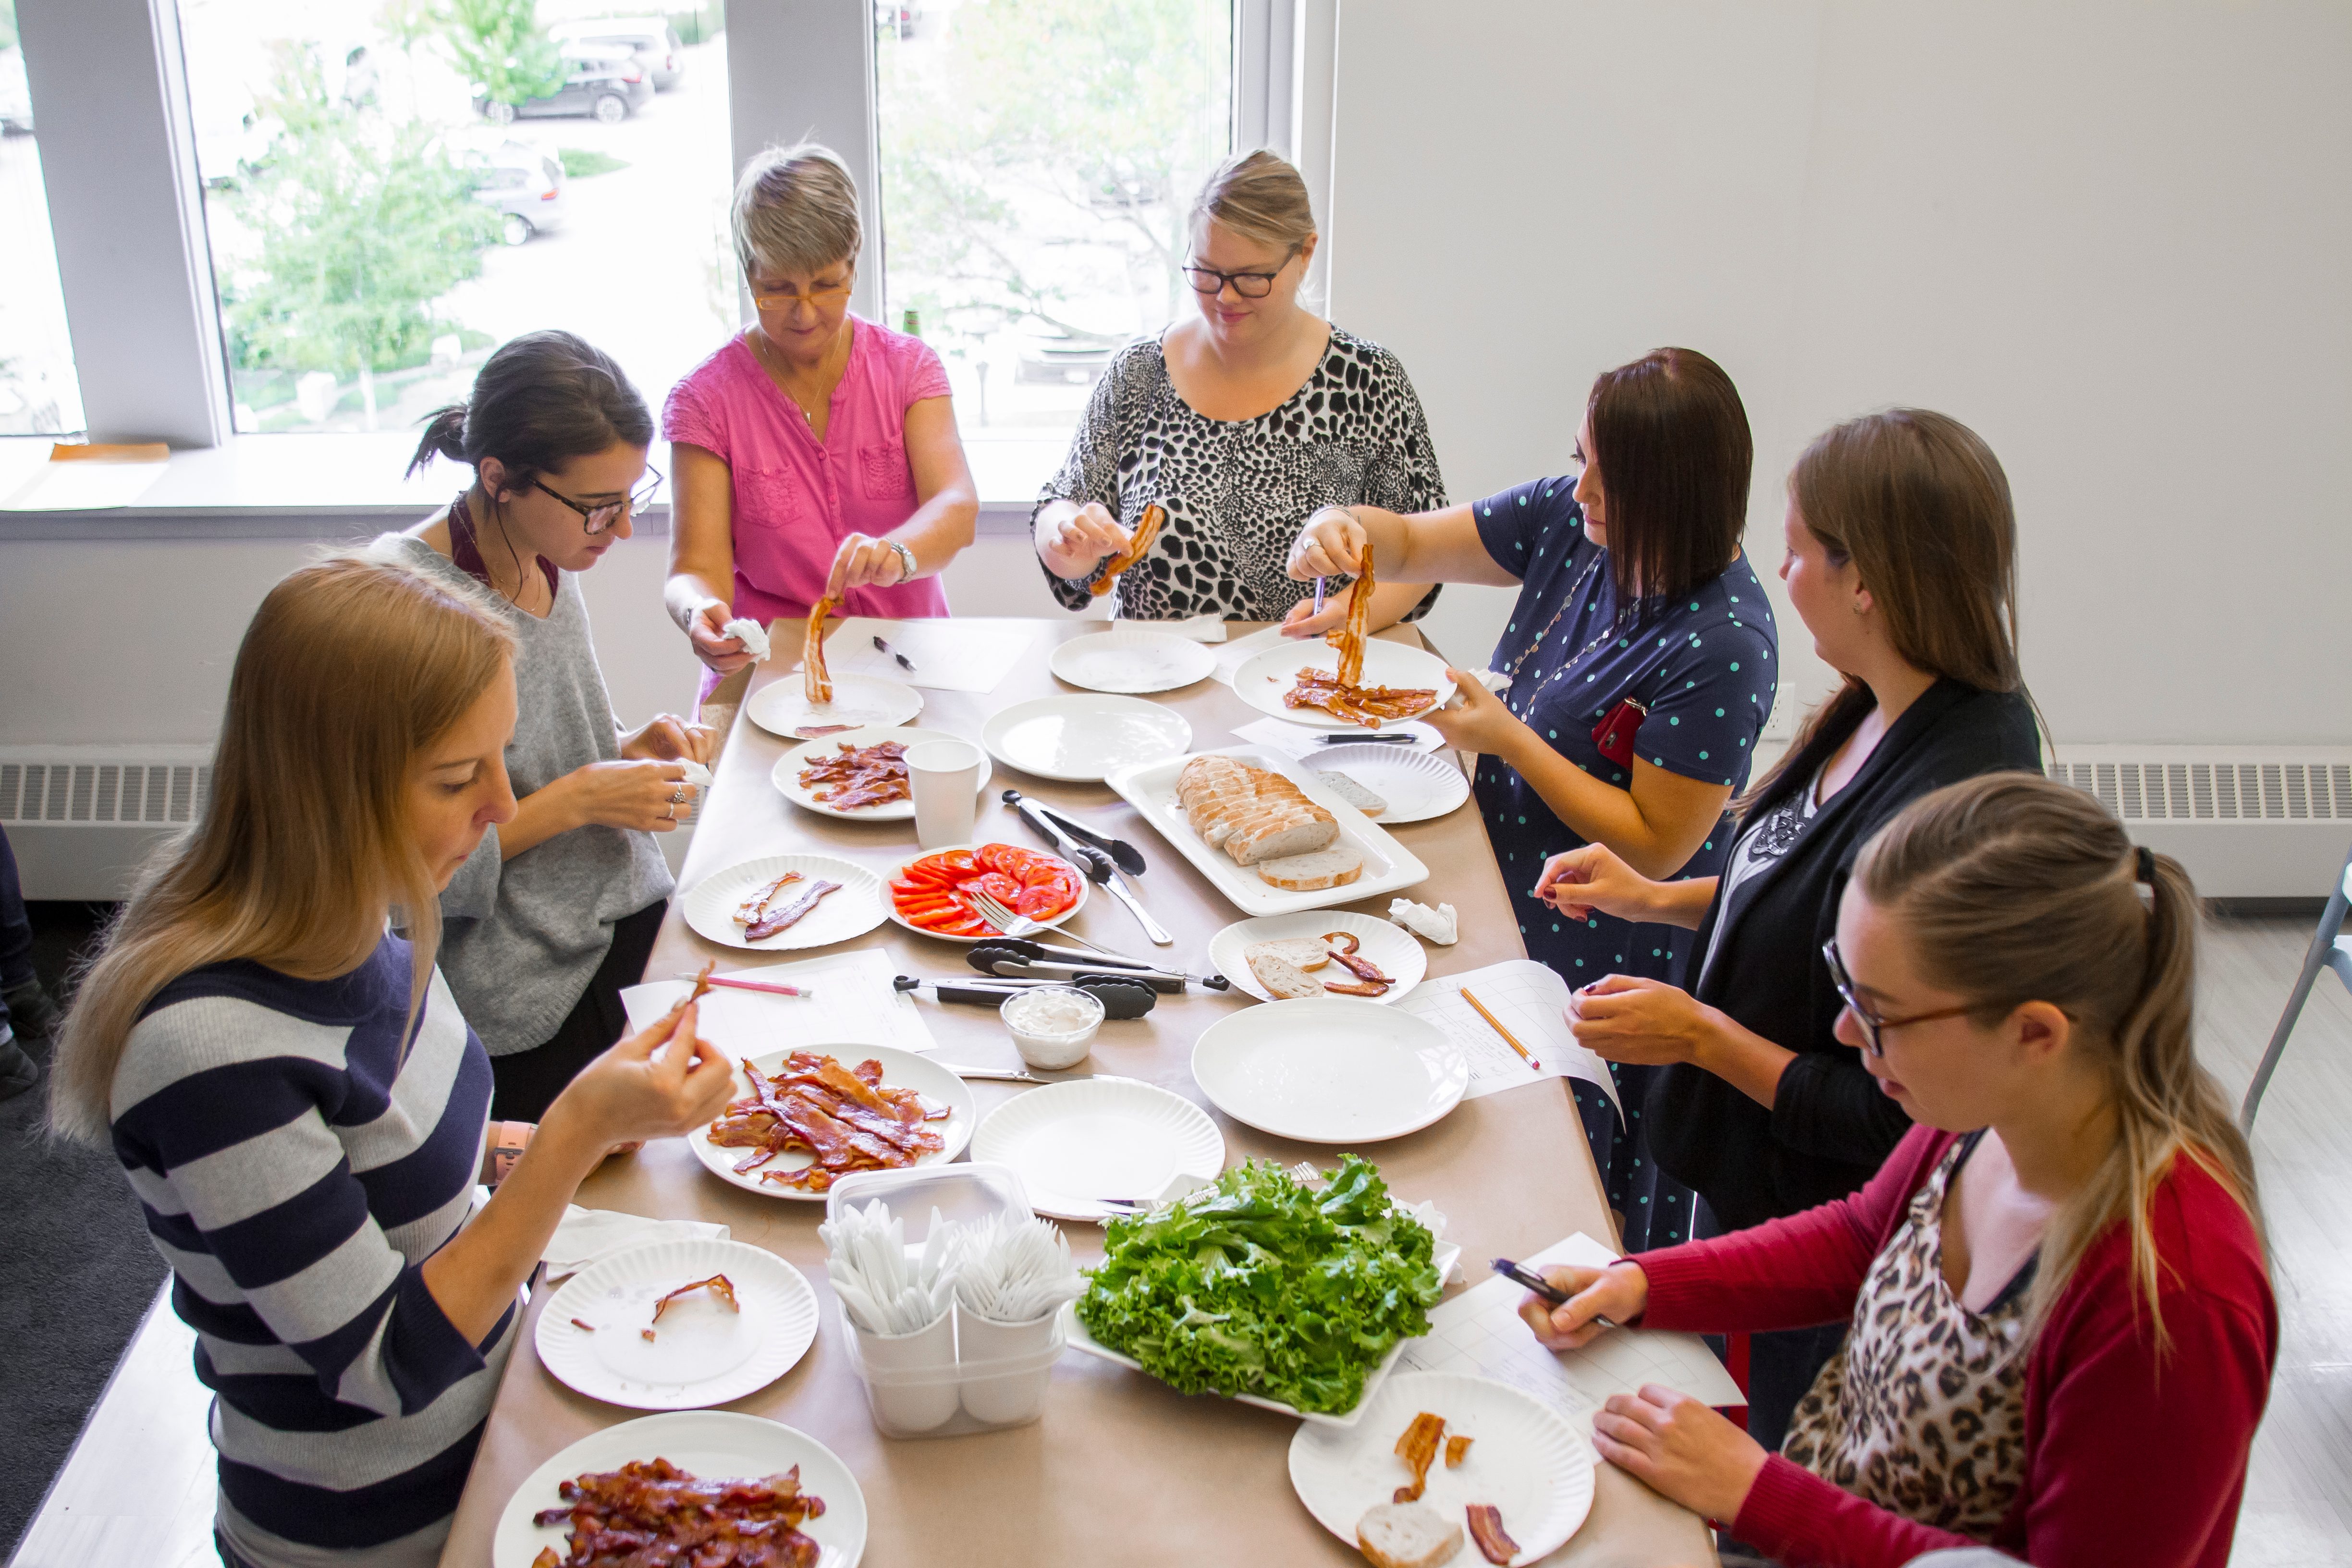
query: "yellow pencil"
1508, 1038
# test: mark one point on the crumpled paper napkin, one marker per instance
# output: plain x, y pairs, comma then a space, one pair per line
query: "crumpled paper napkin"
590, 1236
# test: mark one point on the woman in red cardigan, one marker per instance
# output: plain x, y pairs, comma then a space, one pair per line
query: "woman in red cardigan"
2061, 1326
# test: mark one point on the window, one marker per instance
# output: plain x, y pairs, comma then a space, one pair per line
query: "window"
391, 188
1038, 158
39, 395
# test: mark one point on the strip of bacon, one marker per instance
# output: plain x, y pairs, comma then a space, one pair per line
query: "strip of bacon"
718, 1285
815, 684
1417, 1447
748, 912
783, 915
1362, 968
1139, 545
651, 1511
1457, 1450
1350, 638
1487, 1529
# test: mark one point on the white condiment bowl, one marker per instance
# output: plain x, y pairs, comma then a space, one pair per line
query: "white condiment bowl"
1051, 1045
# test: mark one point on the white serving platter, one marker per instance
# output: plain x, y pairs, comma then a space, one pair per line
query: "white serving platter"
1417, 785
1262, 681
897, 869
1084, 739
1389, 866
786, 776
1340, 1069
1077, 1143
1523, 1460
702, 1353
1131, 660
856, 906
900, 1070
781, 707
711, 1444
1396, 950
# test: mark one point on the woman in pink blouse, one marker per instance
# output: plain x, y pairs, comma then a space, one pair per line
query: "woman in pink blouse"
815, 455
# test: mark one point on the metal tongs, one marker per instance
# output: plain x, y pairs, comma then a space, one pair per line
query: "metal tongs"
1122, 996
1101, 865
991, 949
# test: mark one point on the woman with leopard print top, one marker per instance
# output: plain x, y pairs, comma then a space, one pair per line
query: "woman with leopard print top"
1239, 423
2061, 1327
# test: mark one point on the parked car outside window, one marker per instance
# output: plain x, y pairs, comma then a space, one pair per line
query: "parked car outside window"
519, 181
607, 85
653, 40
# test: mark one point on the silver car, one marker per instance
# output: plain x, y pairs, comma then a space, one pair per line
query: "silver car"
521, 182
652, 40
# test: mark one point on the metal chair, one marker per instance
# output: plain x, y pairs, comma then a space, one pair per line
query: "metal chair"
2329, 949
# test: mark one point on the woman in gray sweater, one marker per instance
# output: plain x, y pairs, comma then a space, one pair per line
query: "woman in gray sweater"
556, 911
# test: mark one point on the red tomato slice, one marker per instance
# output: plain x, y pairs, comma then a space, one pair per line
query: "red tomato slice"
951, 862
1040, 903
1038, 873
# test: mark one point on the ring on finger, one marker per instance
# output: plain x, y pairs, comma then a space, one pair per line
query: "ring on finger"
677, 795
671, 815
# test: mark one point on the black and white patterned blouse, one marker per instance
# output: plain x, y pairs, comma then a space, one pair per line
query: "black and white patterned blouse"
1236, 492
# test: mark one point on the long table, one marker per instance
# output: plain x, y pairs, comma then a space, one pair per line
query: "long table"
1121, 1469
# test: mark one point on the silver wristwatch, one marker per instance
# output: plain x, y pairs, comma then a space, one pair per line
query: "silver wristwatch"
906, 561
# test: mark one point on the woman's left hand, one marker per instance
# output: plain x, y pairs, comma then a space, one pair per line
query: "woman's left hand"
864, 561
670, 739
1644, 1023
1681, 1448
1476, 720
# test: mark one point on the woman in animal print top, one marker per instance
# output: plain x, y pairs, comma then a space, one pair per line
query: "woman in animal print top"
1240, 422
2061, 1328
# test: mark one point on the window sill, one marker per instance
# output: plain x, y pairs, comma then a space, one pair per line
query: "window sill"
338, 487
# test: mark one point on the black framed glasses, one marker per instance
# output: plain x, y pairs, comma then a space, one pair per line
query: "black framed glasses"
1873, 1025
602, 515
1248, 285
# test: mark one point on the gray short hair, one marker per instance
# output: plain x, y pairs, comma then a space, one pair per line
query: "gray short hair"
795, 211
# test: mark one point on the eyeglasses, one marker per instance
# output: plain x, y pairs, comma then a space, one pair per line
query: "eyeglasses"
1873, 1026
818, 299
601, 516
1248, 285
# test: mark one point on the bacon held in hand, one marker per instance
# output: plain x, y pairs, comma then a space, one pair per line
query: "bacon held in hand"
1139, 545
855, 776
783, 916
816, 685
1417, 1447
1487, 1529
843, 1117
1350, 638
650, 1513
1343, 694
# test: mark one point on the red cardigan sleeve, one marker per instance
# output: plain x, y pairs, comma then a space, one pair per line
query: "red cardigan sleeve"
1788, 1273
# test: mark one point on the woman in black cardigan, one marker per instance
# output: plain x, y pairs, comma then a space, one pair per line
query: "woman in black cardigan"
1901, 550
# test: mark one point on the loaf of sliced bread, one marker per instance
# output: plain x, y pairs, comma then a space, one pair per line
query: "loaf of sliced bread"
1311, 873
1283, 979
1407, 1535
1351, 792
1252, 814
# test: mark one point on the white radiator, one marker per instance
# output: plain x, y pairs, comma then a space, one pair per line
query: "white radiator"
2249, 822
82, 818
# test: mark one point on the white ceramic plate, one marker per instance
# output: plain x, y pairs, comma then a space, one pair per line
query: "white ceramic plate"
1262, 681
1339, 1070
1130, 658
781, 707
786, 776
891, 908
1389, 866
855, 908
1397, 952
707, 1443
1082, 739
1417, 785
1445, 1255
1077, 1142
701, 1353
900, 1070
1523, 1459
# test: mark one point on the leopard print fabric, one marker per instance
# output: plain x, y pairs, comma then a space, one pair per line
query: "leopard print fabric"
1923, 1413
1236, 492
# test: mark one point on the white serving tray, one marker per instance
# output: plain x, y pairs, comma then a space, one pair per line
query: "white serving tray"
1388, 865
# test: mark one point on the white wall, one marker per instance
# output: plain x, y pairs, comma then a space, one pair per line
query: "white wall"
2113, 235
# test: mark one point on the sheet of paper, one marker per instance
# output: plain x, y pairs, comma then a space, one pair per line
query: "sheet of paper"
853, 1005
1200, 628
949, 655
83, 485
1479, 1333
1528, 1000
1239, 651
1306, 745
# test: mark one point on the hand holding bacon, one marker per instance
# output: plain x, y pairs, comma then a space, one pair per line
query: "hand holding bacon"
1147, 528
843, 1117
651, 1514
1343, 694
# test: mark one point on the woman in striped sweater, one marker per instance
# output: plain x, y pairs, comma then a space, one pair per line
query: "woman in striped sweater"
298, 1101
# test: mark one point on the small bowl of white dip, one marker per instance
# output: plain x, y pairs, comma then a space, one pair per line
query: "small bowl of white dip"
1054, 1025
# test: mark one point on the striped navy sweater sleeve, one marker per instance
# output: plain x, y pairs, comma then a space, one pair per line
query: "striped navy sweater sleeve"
298, 1167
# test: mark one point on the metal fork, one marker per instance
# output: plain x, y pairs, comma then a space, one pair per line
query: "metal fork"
1015, 925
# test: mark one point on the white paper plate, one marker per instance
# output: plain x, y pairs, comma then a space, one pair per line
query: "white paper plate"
900, 1070
1397, 952
1524, 1459
786, 775
1340, 1070
1084, 740
701, 1353
1129, 658
1445, 1255
890, 908
781, 707
707, 1443
1417, 785
856, 906
1389, 866
1262, 681
1077, 1142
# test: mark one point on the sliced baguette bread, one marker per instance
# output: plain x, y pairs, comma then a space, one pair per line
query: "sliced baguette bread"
1282, 832
1351, 792
1285, 980
1334, 868
1407, 1535
1309, 953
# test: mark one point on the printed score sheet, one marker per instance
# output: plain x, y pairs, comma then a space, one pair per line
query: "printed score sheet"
948, 654
1531, 1002
855, 1004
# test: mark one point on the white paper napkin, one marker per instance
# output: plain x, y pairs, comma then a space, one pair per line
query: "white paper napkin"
590, 1236
1200, 628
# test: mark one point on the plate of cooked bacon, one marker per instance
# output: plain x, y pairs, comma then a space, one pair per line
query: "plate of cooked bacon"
803, 1117
677, 1325
687, 1486
858, 775
783, 901
1300, 682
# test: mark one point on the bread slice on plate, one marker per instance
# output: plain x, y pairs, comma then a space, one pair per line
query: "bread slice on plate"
1309, 953
1334, 868
1351, 792
1407, 1535
1284, 979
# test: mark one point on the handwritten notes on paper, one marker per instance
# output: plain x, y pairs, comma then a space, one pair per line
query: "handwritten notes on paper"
1531, 1002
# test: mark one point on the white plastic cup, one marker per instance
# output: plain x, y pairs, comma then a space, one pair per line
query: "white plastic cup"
944, 777
911, 1377
1010, 1397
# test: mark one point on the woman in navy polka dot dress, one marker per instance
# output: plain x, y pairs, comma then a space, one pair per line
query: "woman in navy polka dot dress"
1641, 657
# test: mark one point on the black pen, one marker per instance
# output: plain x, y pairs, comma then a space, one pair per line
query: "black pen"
904, 662
1537, 1283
